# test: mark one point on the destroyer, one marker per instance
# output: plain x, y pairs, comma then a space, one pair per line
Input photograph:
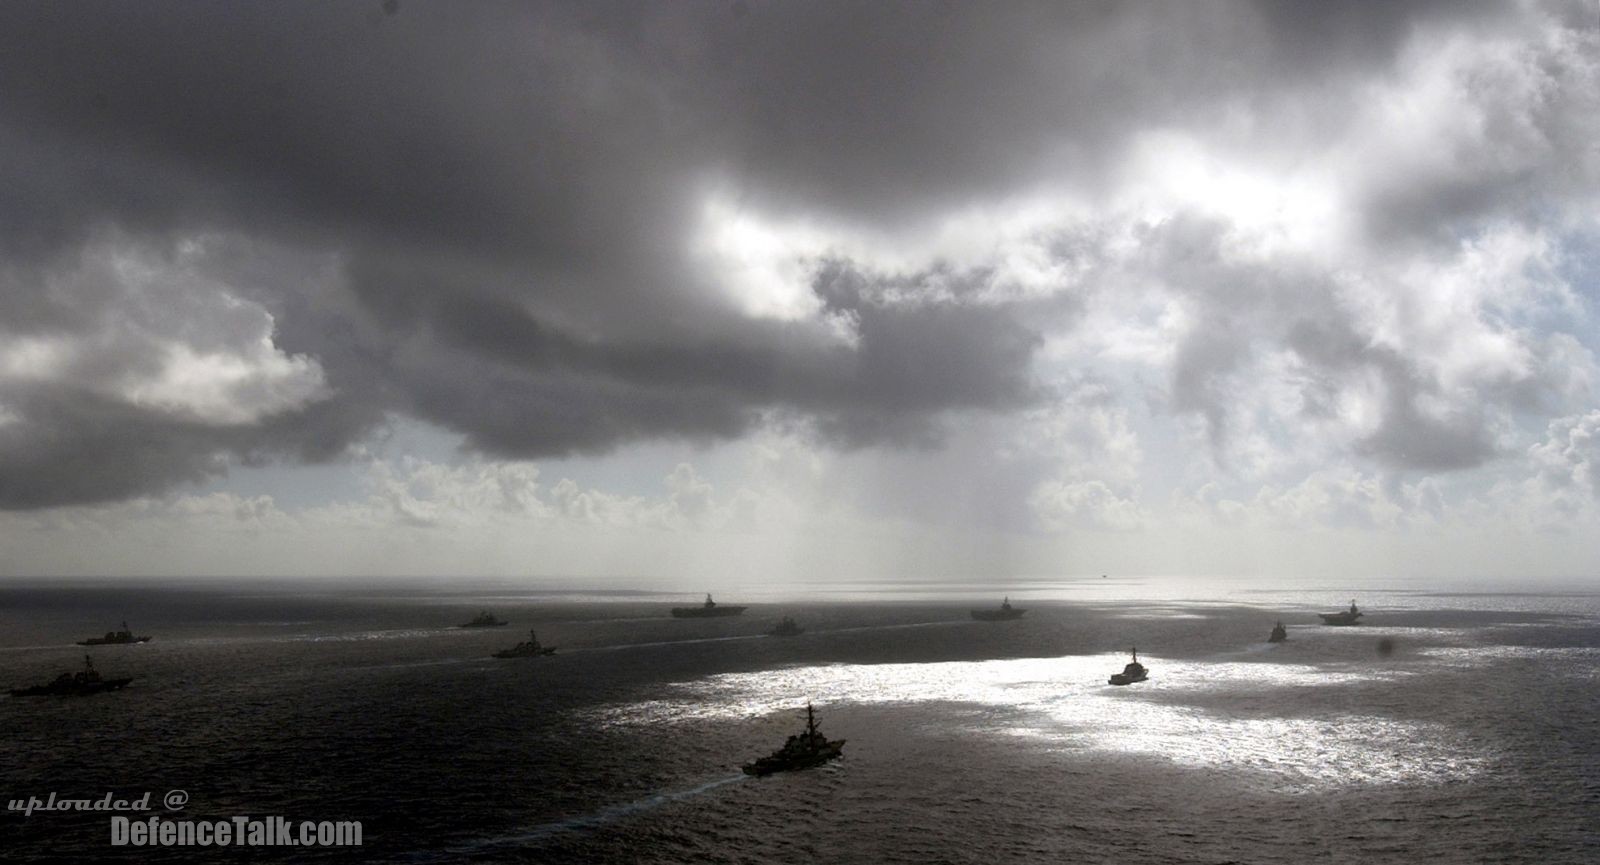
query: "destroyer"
786, 628
801, 751
1005, 613
114, 638
528, 649
705, 611
484, 619
80, 684
1134, 672
1347, 617
1279, 634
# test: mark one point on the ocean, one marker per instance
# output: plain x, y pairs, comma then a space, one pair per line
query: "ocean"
1452, 726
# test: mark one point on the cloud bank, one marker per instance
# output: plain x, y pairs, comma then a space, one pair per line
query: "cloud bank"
1320, 261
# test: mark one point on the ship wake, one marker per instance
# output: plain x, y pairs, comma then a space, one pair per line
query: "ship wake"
580, 823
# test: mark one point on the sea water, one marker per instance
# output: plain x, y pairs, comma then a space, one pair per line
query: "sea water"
1452, 726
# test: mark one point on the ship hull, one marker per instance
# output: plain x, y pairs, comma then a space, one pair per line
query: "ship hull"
771, 766
494, 625
703, 613
1339, 619
102, 641
539, 654
75, 690
1119, 679
997, 615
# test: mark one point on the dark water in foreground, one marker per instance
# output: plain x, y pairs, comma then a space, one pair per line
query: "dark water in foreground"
1476, 738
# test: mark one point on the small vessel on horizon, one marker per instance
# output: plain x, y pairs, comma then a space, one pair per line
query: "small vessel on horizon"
530, 648
1005, 613
80, 684
787, 628
115, 638
801, 751
709, 609
1346, 617
484, 619
1279, 634
1133, 672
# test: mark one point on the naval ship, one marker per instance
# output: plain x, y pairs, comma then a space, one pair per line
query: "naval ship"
801, 751
80, 684
1346, 617
115, 638
1005, 613
787, 628
1134, 672
707, 610
527, 649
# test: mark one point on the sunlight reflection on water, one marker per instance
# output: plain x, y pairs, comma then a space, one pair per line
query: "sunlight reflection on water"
1065, 703
1460, 658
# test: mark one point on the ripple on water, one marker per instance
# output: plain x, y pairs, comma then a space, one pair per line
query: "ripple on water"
1065, 701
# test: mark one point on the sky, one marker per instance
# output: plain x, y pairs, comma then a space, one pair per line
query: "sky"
740, 293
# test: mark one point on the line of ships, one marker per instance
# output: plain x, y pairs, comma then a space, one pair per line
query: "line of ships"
802, 750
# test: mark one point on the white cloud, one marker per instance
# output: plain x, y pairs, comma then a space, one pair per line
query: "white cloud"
1060, 506
164, 335
240, 385
1570, 454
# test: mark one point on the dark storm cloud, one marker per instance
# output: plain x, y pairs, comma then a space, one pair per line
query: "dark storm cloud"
550, 131
508, 190
534, 389
75, 446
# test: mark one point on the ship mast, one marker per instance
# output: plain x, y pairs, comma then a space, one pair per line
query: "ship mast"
811, 722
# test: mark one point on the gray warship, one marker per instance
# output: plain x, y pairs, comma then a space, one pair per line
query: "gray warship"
1133, 672
528, 649
707, 610
1005, 613
1345, 617
115, 638
802, 751
80, 684
787, 628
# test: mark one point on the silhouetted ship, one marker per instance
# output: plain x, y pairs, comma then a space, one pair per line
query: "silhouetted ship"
1134, 672
801, 751
787, 628
528, 649
707, 610
80, 684
485, 620
1006, 612
1347, 617
114, 638
1279, 634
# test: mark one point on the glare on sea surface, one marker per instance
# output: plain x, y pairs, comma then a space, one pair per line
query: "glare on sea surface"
1064, 704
